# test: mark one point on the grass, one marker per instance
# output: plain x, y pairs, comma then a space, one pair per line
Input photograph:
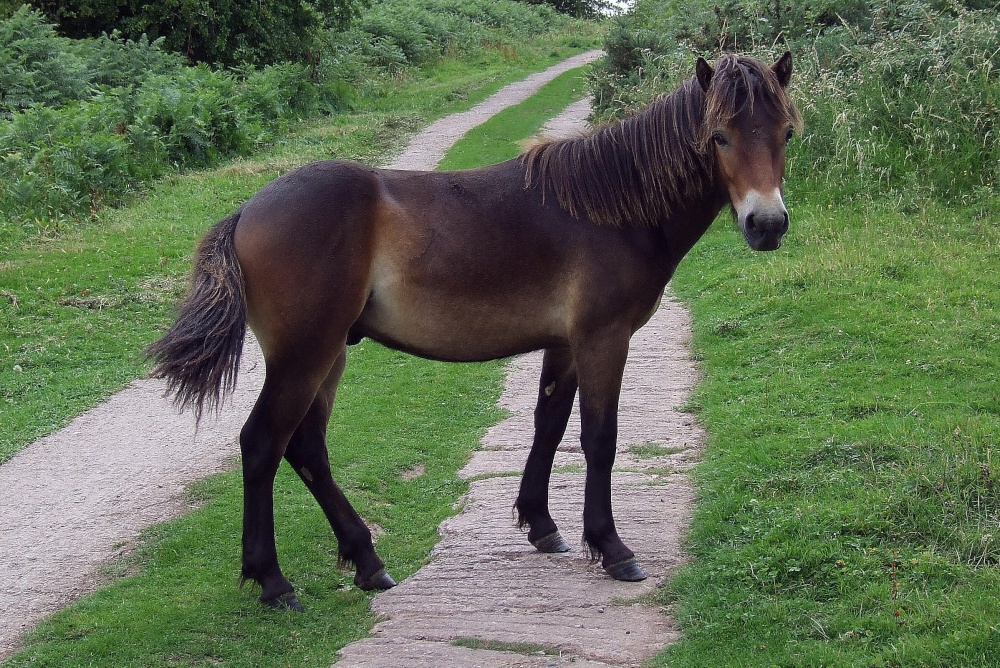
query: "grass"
503, 136
849, 510
525, 648
402, 428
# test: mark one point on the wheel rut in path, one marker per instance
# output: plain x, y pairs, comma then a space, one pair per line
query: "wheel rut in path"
77, 499
488, 599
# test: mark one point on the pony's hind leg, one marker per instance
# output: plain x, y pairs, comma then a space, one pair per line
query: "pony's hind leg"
307, 454
556, 391
290, 388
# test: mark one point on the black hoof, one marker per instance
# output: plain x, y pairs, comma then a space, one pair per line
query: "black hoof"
553, 542
379, 580
285, 602
628, 570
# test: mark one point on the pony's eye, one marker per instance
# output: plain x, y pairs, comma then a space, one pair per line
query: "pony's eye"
720, 140
789, 135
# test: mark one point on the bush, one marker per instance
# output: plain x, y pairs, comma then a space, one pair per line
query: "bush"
39, 67
224, 32
410, 32
66, 162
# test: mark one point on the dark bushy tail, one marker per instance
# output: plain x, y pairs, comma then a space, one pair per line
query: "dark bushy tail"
200, 354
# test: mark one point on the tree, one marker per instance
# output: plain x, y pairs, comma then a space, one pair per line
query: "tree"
226, 32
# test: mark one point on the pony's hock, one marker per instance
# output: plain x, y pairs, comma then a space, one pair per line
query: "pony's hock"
567, 249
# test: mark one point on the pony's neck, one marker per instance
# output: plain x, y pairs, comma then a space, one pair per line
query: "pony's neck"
637, 173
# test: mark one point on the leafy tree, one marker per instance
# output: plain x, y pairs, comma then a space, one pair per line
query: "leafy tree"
579, 8
227, 32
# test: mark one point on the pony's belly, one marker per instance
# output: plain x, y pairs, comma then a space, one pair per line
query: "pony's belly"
459, 331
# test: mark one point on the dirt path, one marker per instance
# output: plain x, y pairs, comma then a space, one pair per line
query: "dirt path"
76, 499
487, 599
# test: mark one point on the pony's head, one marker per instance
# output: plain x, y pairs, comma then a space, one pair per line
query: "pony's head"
749, 119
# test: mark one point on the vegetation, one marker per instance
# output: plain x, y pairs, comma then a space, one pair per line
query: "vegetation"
900, 99
849, 510
178, 604
90, 123
222, 32
228, 33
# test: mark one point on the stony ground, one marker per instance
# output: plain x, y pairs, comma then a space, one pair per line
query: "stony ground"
77, 499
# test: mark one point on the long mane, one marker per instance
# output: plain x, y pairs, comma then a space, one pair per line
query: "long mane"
638, 171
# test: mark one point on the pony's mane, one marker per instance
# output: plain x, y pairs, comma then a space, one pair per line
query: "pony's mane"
638, 171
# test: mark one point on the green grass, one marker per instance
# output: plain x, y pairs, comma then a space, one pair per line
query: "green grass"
849, 510
174, 601
503, 136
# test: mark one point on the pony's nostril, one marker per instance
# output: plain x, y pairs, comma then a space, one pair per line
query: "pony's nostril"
784, 222
750, 222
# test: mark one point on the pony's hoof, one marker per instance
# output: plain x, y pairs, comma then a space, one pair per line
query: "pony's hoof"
552, 542
628, 570
286, 601
377, 581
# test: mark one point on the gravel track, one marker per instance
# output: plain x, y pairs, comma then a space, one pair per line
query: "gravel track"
488, 599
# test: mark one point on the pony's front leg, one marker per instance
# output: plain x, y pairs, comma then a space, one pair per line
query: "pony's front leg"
556, 391
601, 364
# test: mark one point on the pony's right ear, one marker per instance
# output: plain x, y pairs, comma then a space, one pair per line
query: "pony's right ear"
704, 73
782, 69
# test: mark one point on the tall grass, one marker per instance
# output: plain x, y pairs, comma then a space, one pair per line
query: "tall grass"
900, 100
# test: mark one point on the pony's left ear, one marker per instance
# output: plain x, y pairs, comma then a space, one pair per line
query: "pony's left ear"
783, 69
704, 73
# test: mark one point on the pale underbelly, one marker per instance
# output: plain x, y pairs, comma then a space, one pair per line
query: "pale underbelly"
462, 330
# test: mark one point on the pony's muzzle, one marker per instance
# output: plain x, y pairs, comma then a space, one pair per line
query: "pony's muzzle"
763, 221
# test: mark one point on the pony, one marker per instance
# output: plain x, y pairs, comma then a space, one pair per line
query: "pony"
567, 248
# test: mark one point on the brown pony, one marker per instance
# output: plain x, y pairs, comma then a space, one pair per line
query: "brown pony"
567, 248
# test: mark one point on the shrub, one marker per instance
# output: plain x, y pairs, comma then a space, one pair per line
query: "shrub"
36, 66
67, 162
39, 67
224, 32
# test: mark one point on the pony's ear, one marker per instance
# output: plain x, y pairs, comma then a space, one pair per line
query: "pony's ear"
704, 73
782, 69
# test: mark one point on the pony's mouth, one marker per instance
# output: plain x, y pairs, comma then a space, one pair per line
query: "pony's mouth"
764, 238
763, 221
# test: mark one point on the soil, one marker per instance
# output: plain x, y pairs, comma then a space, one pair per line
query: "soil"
76, 500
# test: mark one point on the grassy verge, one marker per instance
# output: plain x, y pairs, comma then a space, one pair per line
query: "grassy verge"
75, 310
503, 136
395, 414
849, 508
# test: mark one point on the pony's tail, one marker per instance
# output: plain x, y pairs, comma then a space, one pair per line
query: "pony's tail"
199, 356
